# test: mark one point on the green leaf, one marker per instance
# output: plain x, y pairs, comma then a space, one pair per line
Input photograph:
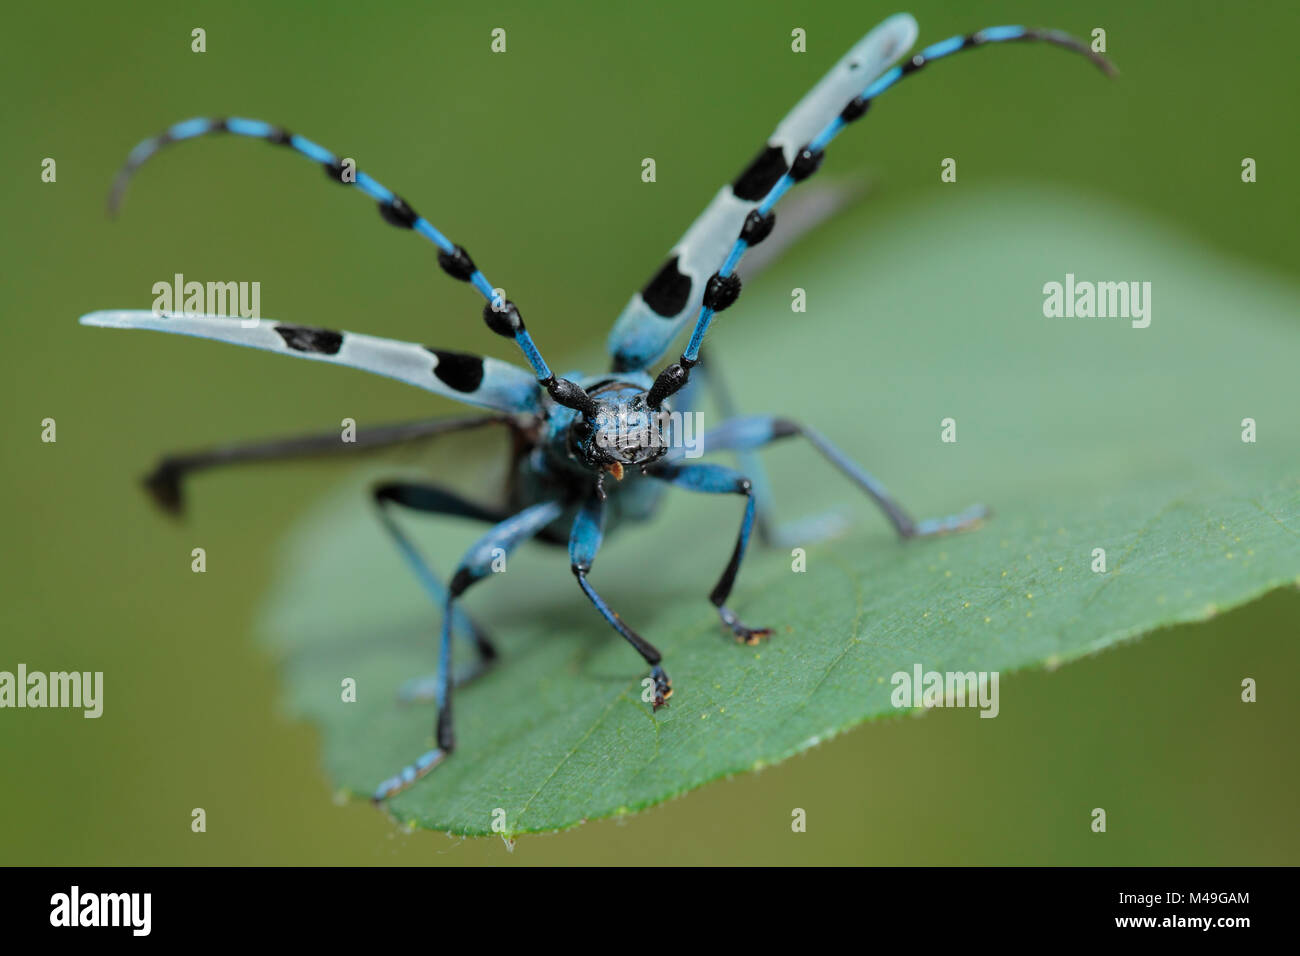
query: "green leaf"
1079, 433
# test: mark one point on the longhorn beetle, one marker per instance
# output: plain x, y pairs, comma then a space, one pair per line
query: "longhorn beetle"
572, 433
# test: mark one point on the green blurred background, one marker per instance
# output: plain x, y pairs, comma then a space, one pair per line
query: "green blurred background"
532, 160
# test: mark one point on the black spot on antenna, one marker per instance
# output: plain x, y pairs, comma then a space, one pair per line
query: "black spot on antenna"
669, 290
457, 264
760, 175
570, 395
721, 291
505, 321
667, 383
279, 136
806, 163
459, 370
398, 213
219, 125
302, 339
856, 109
757, 226
334, 170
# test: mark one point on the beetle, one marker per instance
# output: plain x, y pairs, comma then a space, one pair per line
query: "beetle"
591, 452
